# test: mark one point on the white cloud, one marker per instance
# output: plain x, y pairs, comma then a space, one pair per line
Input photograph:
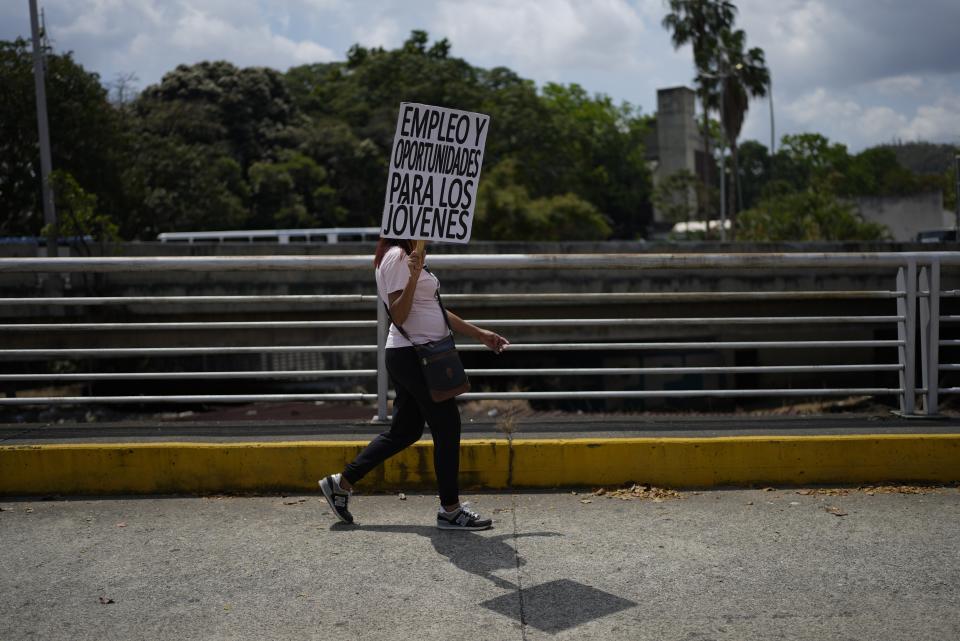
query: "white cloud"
820, 105
210, 36
898, 84
843, 118
382, 32
547, 36
938, 122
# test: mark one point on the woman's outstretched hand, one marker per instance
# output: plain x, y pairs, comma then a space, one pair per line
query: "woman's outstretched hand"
494, 341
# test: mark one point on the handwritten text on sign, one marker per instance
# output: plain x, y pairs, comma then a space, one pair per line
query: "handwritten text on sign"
434, 173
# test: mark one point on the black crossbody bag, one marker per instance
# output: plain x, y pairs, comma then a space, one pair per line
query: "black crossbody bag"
439, 360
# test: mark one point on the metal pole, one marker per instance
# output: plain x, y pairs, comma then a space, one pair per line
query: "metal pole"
381, 362
906, 329
723, 166
773, 137
925, 331
46, 165
933, 358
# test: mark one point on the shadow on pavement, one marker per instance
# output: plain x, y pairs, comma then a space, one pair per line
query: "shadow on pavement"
552, 607
471, 552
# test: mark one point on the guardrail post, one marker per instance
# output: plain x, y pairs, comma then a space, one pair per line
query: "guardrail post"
381, 362
906, 334
930, 335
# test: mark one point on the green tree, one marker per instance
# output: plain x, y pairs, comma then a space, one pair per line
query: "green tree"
292, 192
175, 186
505, 211
754, 171
84, 135
77, 214
809, 215
248, 110
682, 197
743, 74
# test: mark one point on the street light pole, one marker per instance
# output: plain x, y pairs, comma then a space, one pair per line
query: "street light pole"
46, 168
772, 136
723, 164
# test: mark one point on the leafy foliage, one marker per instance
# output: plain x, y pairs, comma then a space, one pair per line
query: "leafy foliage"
84, 132
808, 215
506, 211
77, 212
682, 197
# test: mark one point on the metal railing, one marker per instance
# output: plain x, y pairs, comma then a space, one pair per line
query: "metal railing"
917, 295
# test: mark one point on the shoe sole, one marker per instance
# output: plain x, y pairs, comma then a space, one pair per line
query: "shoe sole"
444, 526
328, 494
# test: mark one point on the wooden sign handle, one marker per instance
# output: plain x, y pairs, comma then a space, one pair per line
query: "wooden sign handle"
418, 246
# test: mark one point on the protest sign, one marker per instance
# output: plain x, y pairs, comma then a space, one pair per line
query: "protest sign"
434, 173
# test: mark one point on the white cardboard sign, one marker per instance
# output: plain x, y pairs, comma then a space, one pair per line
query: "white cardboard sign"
434, 173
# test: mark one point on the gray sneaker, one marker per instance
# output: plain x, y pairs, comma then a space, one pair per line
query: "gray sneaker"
463, 519
336, 497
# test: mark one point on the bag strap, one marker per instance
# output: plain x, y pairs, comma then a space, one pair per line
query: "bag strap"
439, 301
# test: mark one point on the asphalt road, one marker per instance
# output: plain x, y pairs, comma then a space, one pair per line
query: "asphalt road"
722, 565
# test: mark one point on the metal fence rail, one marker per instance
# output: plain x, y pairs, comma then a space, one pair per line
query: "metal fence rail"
915, 287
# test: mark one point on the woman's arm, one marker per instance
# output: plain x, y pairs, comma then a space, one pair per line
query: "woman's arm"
494, 341
401, 301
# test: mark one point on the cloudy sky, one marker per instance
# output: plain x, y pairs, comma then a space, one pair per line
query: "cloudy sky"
861, 72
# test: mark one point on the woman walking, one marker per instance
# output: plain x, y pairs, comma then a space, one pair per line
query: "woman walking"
411, 295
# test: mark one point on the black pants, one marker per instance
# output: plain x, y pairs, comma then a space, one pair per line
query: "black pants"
411, 407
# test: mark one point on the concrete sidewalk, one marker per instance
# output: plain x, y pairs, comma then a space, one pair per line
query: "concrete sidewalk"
719, 564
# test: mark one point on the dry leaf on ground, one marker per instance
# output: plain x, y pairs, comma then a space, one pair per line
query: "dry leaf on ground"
642, 491
832, 509
824, 491
870, 490
104, 600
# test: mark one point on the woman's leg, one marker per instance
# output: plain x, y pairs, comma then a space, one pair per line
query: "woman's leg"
406, 427
444, 421
443, 418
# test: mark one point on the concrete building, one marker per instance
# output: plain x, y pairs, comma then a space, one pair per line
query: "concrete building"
907, 216
676, 144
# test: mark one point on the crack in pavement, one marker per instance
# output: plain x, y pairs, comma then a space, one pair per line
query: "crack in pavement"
516, 552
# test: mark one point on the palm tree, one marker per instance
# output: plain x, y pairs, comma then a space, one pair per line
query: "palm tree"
724, 69
744, 74
700, 23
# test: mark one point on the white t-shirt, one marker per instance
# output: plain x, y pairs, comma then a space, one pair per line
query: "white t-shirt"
425, 322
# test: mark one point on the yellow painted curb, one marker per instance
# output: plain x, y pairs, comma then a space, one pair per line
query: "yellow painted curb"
171, 468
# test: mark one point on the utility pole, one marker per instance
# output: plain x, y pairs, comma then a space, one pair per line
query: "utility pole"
46, 165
